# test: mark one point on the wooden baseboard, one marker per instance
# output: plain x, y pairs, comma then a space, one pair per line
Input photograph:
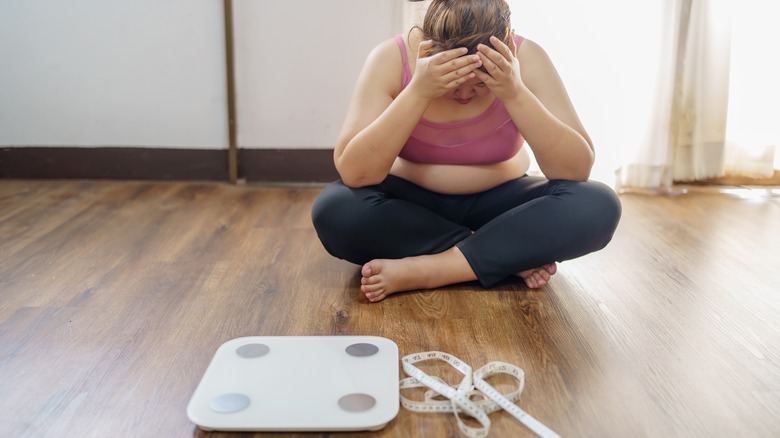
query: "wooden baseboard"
773, 180
123, 163
287, 165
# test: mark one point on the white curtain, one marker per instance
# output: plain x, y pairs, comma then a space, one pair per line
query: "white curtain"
753, 127
705, 123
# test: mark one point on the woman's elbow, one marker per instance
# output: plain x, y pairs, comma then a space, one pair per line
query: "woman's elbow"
581, 172
578, 174
356, 178
581, 175
569, 176
356, 182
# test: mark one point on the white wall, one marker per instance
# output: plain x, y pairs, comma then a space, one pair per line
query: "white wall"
297, 63
152, 73
112, 73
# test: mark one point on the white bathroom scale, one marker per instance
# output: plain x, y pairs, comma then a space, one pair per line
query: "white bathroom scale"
299, 383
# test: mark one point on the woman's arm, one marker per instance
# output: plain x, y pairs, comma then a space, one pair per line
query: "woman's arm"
378, 124
540, 107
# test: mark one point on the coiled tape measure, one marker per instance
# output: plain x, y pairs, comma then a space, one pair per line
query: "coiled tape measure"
255, 384
460, 397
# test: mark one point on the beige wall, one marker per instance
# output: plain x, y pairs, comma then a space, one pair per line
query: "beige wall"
297, 63
151, 73
112, 73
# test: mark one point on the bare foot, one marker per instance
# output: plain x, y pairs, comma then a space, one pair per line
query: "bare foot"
383, 277
537, 277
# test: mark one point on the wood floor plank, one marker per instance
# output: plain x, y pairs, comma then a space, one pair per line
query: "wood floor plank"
114, 297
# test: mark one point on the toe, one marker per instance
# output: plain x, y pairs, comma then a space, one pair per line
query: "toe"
376, 298
535, 281
370, 288
540, 280
371, 280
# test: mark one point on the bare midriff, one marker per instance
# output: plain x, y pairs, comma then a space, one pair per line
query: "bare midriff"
456, 180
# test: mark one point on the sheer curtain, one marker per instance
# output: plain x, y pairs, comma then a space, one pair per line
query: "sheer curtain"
715, 111
752, 132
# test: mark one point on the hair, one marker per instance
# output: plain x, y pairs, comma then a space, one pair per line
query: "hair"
465, 23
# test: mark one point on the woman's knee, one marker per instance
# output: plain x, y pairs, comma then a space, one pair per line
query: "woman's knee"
333, 208
592, 211
339, 213
326, 205
602, 208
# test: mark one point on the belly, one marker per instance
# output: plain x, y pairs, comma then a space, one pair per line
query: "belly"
457, 180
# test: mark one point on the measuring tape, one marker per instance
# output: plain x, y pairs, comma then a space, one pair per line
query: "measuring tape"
460, 398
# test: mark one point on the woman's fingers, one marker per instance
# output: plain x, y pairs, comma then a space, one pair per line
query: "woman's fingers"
436, 74
502, 48
499, 58
501, 69
453, 79
491, 59
460, 68
424, 47
490, 66
464, 64
484, 77
454, 59
441, 57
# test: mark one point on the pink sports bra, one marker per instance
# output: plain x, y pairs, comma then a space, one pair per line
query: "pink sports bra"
488, 138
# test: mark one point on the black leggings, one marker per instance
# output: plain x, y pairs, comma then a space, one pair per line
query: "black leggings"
524, 223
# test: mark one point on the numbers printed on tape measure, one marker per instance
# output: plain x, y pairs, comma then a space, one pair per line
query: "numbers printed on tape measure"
459, 399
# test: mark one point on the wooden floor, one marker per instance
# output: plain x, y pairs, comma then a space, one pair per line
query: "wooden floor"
114, 297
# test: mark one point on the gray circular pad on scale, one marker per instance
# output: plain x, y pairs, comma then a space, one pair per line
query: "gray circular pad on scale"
357, 402
229, 403
252, 351
362, 350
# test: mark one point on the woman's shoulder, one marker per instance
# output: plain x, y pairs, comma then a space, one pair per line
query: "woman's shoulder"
382, 71
385, 65
529, 48
386, 56
535, 64
386, 52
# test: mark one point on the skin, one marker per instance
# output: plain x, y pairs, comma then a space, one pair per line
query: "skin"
448, 87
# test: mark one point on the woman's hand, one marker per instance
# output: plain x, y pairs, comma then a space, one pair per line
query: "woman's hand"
435, 75
503, 69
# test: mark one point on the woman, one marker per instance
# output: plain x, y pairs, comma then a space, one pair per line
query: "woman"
433, 187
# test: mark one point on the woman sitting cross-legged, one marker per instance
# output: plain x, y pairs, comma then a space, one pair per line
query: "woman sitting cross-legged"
433, 187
